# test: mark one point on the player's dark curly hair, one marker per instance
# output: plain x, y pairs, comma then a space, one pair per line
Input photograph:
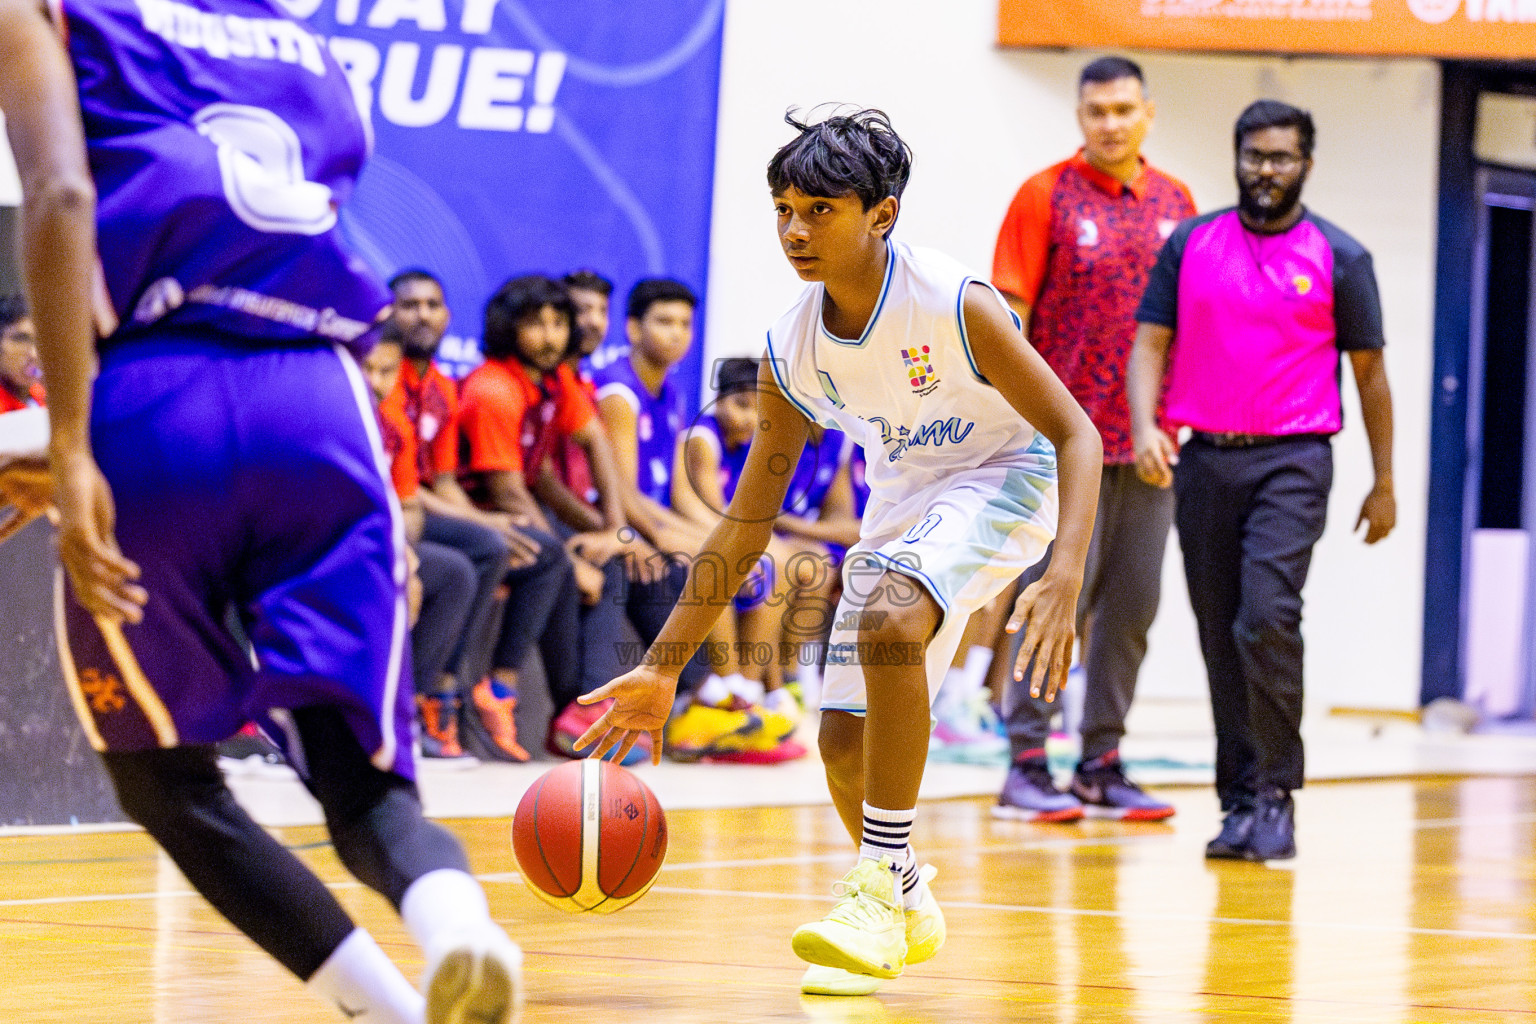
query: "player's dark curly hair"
845, 154
12, 309
518, 300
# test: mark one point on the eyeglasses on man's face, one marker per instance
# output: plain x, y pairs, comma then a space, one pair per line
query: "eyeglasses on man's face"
1257, 160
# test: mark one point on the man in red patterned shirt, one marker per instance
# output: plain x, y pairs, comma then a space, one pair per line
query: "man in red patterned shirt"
1073, 257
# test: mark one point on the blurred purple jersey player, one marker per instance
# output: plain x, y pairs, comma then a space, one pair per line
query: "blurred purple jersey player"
232, 432
814, 473
659, 322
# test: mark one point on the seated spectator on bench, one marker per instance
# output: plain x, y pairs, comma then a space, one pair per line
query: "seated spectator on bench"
446, 577
493, 542
507, 431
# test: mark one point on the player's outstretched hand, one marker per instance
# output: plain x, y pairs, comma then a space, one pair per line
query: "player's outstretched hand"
102, 578
1047, 612
26, 484
642, 701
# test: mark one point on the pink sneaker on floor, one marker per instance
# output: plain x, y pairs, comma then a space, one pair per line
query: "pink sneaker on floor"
788, 750
575, 720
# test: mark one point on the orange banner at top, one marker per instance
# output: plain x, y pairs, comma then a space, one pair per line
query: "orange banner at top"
1494, 29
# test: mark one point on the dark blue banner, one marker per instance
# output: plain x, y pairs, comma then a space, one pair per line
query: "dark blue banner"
518, 136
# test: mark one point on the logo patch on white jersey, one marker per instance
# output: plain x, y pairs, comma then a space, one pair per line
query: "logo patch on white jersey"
1087, 232
919, 369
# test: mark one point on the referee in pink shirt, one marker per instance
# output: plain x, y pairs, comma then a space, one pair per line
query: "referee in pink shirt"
1246, 312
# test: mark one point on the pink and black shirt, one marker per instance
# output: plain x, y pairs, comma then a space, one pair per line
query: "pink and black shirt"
1259, 321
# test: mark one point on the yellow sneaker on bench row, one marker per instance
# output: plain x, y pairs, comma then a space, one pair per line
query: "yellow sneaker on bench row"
925, 925
866, 932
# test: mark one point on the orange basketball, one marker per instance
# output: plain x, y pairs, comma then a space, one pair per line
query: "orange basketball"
589, 836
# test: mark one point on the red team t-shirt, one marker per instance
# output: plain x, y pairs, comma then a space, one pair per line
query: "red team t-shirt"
10, 403
400, 447
1078, 245
509, 424
570, 462
431, 402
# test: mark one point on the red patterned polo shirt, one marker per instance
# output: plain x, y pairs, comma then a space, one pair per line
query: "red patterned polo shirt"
1077, 245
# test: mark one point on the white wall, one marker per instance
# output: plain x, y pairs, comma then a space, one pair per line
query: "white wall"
981, 119
10, 184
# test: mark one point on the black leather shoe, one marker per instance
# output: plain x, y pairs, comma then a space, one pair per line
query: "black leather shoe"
1236, 829
1274, 828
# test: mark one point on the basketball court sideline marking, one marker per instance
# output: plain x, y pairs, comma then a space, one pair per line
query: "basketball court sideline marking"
843, 855
1005, 848
820, 897
1133, 916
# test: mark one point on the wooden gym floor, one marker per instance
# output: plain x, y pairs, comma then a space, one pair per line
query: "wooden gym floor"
1411, 901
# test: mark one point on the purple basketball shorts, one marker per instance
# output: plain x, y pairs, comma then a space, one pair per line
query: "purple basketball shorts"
248, 481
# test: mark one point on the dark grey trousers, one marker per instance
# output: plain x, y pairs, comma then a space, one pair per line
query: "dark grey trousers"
1248, 519
1121, 587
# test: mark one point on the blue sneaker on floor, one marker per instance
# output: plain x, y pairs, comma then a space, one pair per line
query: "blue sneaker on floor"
1030, 794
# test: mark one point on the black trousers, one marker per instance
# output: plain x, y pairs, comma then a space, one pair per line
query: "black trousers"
487, 553
448, 592
544, 608
646, 605
1247, 520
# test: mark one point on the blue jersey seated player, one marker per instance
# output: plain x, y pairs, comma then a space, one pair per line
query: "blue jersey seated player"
787, 599
644, 412
444, 579
226, 453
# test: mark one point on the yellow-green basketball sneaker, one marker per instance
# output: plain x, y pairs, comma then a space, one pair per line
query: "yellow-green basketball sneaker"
925, 925
833, 981
866, 932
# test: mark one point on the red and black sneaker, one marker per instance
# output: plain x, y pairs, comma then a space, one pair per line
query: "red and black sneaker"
1105, 792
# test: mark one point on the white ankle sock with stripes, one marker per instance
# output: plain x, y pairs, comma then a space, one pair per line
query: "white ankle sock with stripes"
885, 835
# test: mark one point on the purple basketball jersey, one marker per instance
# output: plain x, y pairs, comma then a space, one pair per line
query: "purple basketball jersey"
856, 468
731, 459
814, 474
659, 419
222, 138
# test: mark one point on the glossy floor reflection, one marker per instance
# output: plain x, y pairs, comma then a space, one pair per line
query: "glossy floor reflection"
1411, 901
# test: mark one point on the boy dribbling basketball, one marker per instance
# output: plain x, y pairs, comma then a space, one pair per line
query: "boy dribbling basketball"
964, 426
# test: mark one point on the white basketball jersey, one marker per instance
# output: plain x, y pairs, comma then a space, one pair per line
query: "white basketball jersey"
908, 390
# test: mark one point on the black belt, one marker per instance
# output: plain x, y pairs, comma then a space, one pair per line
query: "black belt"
1229, 439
